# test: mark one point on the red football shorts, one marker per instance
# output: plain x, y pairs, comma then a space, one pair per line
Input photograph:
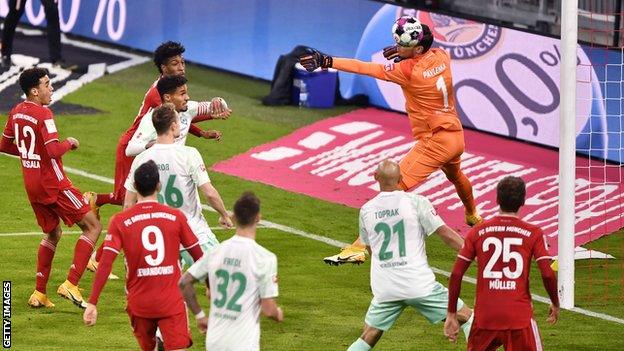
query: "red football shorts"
174, 330
123, 164
527, 339
70, 206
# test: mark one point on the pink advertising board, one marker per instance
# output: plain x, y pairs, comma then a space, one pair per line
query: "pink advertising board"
334, 160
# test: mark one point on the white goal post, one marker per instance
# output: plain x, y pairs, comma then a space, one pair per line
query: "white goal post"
567, 152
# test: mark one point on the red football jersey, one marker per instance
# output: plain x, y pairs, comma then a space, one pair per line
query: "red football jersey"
150, 101
150, 235
32, 126
503, 247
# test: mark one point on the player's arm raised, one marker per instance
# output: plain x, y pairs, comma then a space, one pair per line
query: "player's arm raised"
205, 110
315, 59
216, 108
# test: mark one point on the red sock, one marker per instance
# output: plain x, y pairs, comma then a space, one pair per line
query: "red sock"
44, 264
82, 252
103, 199
98, 253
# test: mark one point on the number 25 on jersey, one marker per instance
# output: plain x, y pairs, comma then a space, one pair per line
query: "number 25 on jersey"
503, 248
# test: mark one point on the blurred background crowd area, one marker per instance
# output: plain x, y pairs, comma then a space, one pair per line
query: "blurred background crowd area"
599, 20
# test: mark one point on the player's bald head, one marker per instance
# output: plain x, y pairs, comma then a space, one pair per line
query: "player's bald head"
388, 174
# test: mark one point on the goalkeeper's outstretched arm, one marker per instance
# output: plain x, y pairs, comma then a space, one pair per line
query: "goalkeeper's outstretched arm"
316, 59
372, 69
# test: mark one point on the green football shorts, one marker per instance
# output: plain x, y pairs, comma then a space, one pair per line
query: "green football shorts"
207, 247
382, 315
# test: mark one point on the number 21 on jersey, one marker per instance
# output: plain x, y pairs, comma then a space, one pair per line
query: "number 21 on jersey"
386, 253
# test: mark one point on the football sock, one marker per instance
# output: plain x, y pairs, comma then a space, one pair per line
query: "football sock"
98, 253
103, 199
82, 252
45, 255
359, 345
466, 326
464, 190
358, 243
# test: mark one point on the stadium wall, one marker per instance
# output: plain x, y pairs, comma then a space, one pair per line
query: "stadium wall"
506, 81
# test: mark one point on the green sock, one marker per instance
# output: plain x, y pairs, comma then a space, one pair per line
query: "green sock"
359, 345
466, 326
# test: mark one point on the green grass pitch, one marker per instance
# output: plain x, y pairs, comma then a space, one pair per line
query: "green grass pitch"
324, 306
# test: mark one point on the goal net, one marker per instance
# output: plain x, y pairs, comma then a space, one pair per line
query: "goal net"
595, 193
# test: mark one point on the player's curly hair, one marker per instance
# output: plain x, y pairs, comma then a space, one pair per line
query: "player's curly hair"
30, 78
246, 209
166, 51
510, 194
146, 178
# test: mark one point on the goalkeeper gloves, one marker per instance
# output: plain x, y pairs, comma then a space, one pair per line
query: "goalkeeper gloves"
392, 53
314, 59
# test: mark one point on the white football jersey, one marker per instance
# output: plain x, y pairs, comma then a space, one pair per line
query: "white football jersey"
181, 170
395, 225
146, 132
240, 273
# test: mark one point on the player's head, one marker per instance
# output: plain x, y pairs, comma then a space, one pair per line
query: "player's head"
168, 58
510, 194
247, 210
166, 120
388, 175
35, 83
146, 179
412, 37
173, 89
